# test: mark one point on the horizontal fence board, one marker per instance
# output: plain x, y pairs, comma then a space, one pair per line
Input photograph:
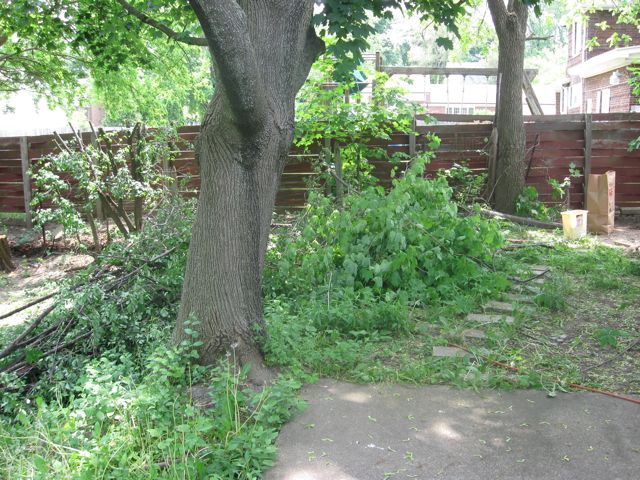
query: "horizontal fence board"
553, 143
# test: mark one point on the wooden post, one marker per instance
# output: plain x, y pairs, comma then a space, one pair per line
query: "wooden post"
530, 94
588, 141
412, 138
378, 69
339, 186
327, 159
26, 181
93, 140
5, 255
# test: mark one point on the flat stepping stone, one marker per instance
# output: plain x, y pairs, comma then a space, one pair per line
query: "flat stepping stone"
499, 306
514, 297
474, 333
488, 318
450, 352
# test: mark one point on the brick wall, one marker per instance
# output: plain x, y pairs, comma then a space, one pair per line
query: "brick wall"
571, 58
593, 30
620, 99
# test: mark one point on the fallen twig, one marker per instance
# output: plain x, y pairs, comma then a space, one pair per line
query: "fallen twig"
517, 280
519, 220
22, 340
609, 360
13, 346
28, 305
17, 366
526, 245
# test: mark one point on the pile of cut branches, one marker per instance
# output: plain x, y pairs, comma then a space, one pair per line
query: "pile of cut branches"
122, 303
42, 338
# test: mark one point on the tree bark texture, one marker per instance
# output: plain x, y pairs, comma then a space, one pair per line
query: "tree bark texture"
263, 51
510, 22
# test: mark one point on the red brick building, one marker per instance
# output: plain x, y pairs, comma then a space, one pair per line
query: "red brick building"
598, 74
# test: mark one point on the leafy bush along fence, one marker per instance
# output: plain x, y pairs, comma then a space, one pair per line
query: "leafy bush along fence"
593, 143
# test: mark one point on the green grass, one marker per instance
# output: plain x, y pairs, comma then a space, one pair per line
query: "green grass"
121, 406
13, 215
553, 343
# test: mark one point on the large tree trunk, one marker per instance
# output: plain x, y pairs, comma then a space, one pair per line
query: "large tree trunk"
263, 52
510, 22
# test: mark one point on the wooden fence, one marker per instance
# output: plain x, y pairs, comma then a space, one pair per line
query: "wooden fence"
594, 143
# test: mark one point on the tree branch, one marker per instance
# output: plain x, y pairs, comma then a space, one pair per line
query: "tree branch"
226, 29
313, 48
499, 13
497, 8
521, 10
202, 42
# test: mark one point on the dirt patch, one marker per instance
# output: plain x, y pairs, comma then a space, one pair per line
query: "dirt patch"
626, 233
596, 338
38, 272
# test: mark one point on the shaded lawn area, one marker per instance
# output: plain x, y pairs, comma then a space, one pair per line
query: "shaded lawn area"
582, 326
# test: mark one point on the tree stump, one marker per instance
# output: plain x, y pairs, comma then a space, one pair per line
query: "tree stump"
5, 255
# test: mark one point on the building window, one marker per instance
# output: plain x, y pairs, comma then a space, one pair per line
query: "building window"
564, 100
606, 100
578, 37
460, 110
575, 95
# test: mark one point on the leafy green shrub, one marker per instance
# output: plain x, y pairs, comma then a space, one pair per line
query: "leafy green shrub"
528, 205
397, 248
127, 422
466, 185
323, 114
124, 317
118, 405
609, 336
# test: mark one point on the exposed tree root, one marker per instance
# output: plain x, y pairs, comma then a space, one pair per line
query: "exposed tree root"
259, 375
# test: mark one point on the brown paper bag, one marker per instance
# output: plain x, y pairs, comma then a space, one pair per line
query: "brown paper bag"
601, 202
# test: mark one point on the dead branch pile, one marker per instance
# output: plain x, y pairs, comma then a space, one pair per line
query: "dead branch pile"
64, 332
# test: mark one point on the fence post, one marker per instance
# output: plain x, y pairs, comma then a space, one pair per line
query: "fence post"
337, 158
412, 138
26, 181
588, 138
93, 140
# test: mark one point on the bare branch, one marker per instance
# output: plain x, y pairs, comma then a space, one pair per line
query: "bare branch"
201, 42
538, 39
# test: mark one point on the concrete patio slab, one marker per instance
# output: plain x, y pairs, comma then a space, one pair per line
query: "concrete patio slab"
390, 432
